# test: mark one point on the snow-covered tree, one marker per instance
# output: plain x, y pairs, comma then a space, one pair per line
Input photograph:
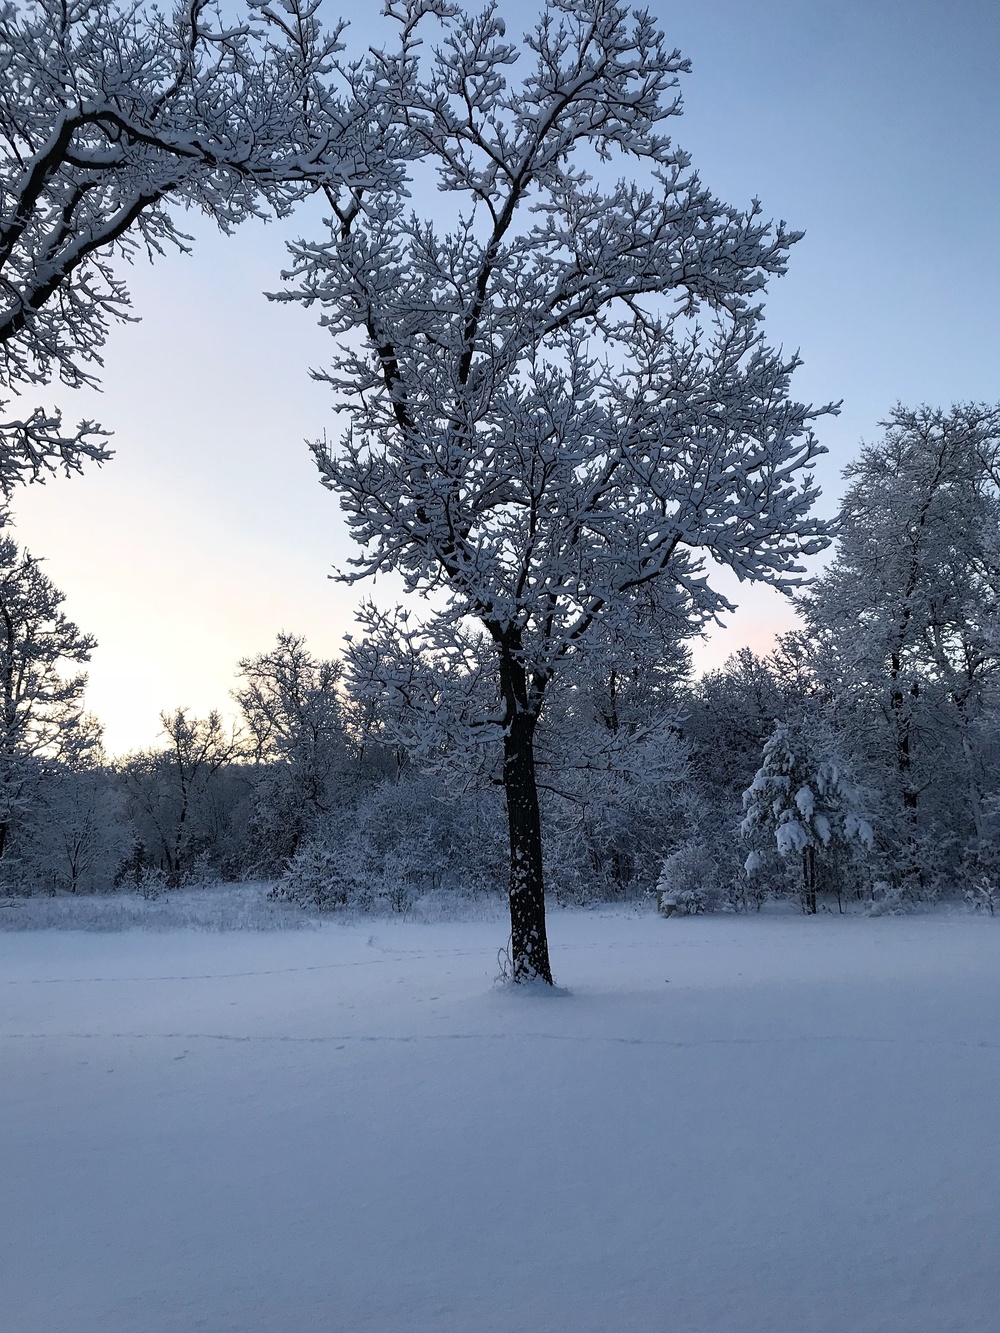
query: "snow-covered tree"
729, 716
170, 790
806, 803
111, 113
559, 393
79, 833
904, 624
293, 715
42, 722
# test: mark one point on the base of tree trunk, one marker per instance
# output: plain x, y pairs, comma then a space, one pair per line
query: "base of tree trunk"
529, 946
809, 880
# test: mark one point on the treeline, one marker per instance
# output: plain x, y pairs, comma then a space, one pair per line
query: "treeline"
858, 761
290, 781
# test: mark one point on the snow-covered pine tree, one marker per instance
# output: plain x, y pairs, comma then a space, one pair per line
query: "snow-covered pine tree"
803, 804
558, 388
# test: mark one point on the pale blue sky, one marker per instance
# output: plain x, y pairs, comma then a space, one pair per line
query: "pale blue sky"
872, 126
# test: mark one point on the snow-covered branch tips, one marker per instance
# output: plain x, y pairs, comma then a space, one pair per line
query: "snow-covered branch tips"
561, 401
110, 113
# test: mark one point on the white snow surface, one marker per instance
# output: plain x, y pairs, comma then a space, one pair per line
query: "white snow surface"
728, 1124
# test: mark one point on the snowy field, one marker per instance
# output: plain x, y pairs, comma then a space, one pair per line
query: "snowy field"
731, 1124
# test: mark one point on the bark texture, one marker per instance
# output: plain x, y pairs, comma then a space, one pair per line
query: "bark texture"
529, 943
529, 950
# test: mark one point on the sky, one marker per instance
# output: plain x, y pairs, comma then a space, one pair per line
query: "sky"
872, 126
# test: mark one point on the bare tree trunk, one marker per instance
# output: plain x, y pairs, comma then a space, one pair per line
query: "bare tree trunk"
175, 858
901, 705
529, 943
975, 803
902, 722
809, 880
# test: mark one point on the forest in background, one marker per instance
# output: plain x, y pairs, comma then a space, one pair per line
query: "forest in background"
856, 763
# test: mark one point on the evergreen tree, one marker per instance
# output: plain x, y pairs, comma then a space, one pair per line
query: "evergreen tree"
806, 802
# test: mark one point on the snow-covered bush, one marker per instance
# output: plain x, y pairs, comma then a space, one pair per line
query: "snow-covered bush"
690, 878
401, 842
315, 876
886, 899
216, 907
152, 882
983, 895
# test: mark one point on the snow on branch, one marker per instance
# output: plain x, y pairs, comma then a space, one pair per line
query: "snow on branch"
109, 114
542, 430
38, 444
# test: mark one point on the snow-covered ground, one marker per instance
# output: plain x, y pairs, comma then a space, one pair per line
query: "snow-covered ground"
730, 1124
